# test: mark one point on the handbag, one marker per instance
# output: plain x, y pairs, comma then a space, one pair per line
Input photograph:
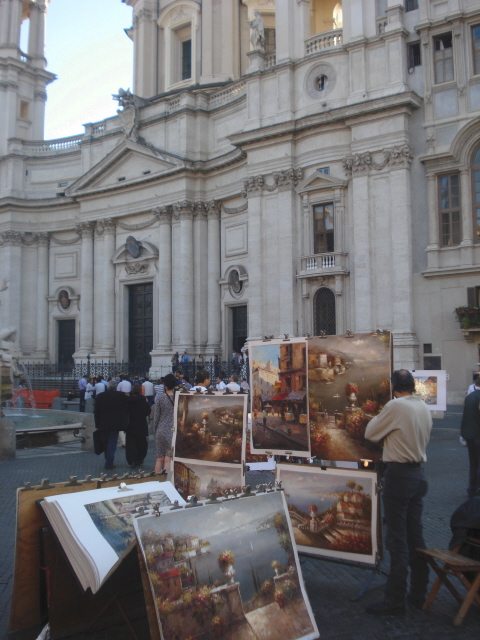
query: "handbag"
98, 445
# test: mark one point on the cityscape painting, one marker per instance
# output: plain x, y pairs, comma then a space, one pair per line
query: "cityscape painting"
278, 380
348, 384
431, 387
228, 571
201, 479
210, 427
333, 512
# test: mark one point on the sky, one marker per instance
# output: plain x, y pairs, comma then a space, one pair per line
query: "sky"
87, 48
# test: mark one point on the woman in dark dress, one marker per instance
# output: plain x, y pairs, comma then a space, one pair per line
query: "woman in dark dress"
137, 431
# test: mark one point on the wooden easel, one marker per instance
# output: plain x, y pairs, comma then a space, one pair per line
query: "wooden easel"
45, 587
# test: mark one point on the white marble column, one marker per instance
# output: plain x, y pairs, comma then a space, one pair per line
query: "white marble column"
108, 287
200, 300
164, 289
183, 276
10, 272
207, 42
41, 347
255, 274
214, 338
36, 34
10, 21
361, 259
86, 289
145, 50
467, 217
98, 259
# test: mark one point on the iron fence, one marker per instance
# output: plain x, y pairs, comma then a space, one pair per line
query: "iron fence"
65, 376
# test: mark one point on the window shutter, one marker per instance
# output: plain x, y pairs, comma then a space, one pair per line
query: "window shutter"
471, 297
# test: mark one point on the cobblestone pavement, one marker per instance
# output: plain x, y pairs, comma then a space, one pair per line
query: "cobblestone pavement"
331, 586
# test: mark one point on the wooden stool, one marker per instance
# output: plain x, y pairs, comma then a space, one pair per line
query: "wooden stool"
451, 564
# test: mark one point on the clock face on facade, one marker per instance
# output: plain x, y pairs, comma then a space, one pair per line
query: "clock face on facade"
133, 247
236, 284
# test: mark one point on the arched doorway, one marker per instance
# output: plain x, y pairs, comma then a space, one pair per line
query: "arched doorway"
324, 312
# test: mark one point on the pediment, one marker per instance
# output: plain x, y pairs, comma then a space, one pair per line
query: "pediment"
128, 163
318, 181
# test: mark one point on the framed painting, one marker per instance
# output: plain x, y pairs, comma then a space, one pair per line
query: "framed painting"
348, 384
334, 512
210, 427
431, 387
201, 479
278, 381
227, 570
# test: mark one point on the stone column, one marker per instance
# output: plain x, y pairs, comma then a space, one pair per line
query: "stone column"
361, 255
36, 34
164, 289
183, 275
145, 50
108, 287
467, 217
11, 294
207, 42
41, 348
200, 300
85, 230
255, 274
98, 293
10, 21
214, 338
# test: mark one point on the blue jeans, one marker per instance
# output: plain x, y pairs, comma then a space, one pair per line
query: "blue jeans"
110, 447
404, 489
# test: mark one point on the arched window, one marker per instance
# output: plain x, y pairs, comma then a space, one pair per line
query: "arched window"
324, 312
476, 194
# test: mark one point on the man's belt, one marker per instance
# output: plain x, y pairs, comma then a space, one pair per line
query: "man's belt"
403, 464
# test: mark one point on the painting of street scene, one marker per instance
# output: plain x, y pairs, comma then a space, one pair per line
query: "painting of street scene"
112, 517
279, 397
431, 387
227, 571
203, 479
331, 511
349, 384
210, 427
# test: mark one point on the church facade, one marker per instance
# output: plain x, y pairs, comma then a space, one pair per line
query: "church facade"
279, 167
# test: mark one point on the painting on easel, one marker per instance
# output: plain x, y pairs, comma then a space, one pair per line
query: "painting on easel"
348, 384
333, 511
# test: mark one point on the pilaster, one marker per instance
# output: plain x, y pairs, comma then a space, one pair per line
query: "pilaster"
108, 301
85, 230
213, 275
200, 300
183, 281
36, 34
164, 289
41, 348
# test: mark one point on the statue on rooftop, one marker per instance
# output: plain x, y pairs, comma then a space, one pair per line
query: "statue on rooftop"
257, 31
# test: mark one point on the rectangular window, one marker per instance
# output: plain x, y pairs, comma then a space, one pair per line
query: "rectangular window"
411, 5
24, 109
186, 59
323, 231
449, 209
427, 347
476, 49
325, 170
443, 57
432, 363
269, 39
414, 59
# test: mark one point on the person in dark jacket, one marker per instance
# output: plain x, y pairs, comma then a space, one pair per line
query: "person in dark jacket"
137, 431
470, 430
111, 416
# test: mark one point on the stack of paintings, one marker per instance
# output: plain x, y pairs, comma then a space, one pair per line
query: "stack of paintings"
333, 511
209, 441
227, 570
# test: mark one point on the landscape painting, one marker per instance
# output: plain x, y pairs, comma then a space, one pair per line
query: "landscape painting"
227, 571
332, 511
349, 384
278, 380
201, 479
210, 427
112, 517
431, 387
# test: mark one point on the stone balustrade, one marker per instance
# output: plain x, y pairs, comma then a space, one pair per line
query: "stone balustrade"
322, 41
270, 59
381, 25
227, 95
321, 263
52, 146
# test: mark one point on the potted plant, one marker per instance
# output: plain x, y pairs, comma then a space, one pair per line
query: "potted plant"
226, 560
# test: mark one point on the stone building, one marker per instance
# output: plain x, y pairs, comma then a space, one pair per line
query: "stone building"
281, 166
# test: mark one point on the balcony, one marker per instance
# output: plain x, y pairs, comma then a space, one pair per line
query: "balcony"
323, 41
323, 264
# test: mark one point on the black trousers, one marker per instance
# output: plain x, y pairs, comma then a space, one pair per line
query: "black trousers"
473, 445
135, 448
405, 486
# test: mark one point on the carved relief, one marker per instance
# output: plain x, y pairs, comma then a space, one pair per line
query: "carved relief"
138, 226
183, 210
282, 180
163, 215
144, 15
85, 229
10, 238
65, 242
233, 210
135, 269
398, 156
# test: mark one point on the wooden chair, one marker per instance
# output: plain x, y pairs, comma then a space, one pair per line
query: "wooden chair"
447, 564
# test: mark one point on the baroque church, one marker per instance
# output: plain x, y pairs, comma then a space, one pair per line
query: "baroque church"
278, 167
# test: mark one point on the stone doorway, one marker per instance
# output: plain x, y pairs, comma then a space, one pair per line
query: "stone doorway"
239, 327
140, 321
66, 341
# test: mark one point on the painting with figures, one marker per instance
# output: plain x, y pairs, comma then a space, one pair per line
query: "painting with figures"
227, 570
210, 427
278, 380
333, 511
348, 384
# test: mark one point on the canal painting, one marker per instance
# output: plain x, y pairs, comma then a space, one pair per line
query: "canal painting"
278, 379
332, 511
210, 427
201, 479
348, 384
431, 387
112, 517
228, 571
